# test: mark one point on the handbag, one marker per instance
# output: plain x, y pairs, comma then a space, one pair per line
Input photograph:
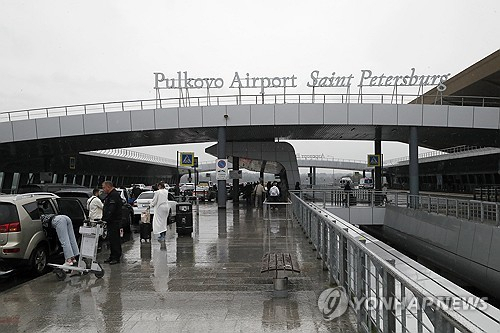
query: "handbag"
146, 216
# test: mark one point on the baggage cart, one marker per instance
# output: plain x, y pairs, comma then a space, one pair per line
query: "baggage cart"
87, 261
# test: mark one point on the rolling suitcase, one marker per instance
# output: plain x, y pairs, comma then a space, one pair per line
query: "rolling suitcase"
145, 231
145, 226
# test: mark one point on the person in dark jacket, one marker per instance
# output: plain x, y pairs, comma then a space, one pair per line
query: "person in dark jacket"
112, 214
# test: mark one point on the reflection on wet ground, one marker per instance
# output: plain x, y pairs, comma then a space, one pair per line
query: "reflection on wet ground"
210, 281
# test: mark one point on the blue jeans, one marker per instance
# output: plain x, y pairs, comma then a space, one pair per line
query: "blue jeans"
66, 235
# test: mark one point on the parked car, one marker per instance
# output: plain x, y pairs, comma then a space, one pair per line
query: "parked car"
80, 193
204, 192
187, 189
45, 187
365, 183
23, 240
144, 200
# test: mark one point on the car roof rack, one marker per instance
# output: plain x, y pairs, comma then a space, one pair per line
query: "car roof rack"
31, 195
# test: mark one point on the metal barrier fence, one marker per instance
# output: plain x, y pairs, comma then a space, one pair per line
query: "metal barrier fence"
371, 280
269, 206
473, 210
77, 109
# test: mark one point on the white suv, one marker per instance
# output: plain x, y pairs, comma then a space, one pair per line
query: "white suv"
145, 198
23, 240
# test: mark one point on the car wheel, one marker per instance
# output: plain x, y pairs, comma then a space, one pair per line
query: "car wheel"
38, 260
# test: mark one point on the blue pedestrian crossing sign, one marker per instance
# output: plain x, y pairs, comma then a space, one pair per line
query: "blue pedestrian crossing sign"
186, 159
374, 160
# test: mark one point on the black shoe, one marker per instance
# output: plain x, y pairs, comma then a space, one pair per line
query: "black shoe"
114, 262
108, 260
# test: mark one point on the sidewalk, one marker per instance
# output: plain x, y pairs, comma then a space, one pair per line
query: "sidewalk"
210, 282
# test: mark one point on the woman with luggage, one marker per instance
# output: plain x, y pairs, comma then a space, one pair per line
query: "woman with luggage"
160, 217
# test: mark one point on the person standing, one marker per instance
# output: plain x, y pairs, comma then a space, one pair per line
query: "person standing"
160, 217
268, 187
274, 194
112, 214
347, 193
259, 192
94, 206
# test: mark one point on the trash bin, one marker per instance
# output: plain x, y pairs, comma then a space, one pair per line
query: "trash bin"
184, 218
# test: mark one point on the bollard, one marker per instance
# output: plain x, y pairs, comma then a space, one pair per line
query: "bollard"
280, 287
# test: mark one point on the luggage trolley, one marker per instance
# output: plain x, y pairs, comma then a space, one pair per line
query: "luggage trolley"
90, 231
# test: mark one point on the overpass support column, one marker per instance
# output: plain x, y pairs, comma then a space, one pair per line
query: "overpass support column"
236, 181
413, 169
262, 169
378, 151
221, 153
311, 176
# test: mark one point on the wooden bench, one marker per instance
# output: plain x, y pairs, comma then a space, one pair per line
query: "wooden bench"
279, 261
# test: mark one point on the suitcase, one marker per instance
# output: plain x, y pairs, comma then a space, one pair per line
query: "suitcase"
145, 231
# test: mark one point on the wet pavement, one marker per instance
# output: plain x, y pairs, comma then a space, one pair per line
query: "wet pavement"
209, 282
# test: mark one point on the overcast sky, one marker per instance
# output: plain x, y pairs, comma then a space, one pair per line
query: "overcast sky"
56, 53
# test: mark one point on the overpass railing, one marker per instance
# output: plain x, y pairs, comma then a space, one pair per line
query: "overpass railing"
452, 150
377, 292
144, 104
473, 210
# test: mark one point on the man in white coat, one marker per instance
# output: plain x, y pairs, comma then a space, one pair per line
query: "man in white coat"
160, 217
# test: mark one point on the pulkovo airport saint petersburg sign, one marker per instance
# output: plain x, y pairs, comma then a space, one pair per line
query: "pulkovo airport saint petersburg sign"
366, 78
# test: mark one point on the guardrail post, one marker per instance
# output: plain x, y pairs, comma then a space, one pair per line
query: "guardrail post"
498, 214
482, 211
360, 284
344, 265
441, 325
333, 257
324, 246
324, 199
389, 294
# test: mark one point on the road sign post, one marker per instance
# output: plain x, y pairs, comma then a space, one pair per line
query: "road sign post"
186, 159
221, 171
374, 160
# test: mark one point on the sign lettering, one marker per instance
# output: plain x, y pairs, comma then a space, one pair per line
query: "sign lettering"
367, 78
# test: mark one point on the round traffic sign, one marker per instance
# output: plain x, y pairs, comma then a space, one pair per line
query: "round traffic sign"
221, 164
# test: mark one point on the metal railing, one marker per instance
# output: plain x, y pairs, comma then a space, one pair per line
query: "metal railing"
269, 206
369, 279
145, 104
338, 197
447, 151
473, 210
327, 158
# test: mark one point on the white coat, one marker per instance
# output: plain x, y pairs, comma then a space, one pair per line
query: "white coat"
94, 206
160, 217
